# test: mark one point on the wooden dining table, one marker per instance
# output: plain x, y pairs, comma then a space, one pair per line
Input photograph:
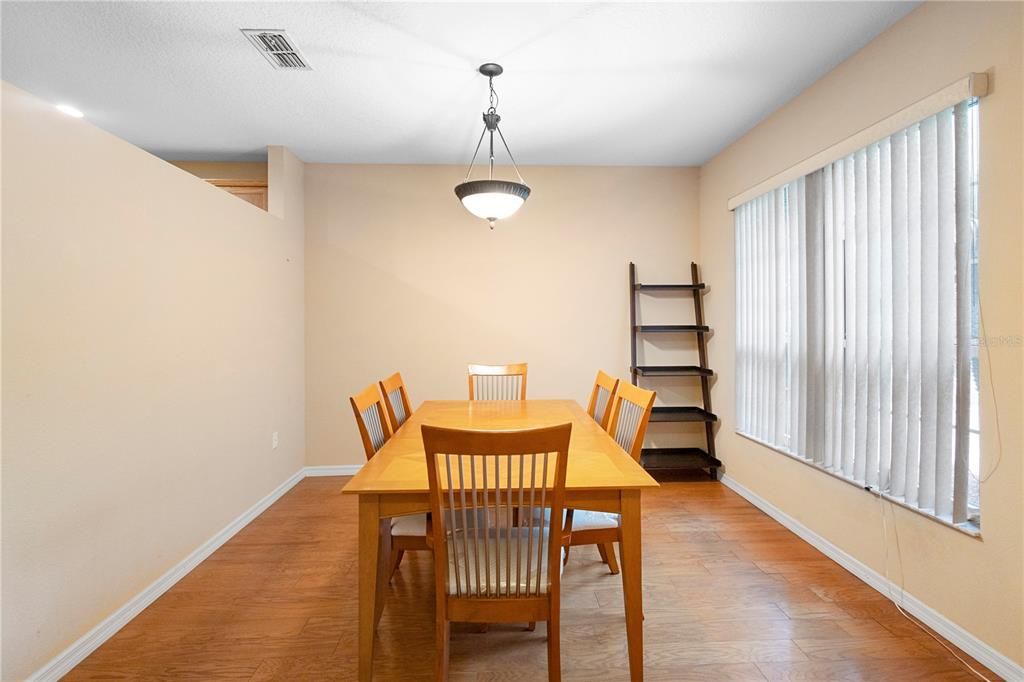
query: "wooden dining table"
600, 477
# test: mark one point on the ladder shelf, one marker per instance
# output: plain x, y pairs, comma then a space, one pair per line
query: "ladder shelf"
676, 458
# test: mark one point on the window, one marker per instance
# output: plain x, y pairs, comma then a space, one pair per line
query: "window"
857, 316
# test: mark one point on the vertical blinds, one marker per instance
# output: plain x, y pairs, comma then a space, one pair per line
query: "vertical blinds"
853, 315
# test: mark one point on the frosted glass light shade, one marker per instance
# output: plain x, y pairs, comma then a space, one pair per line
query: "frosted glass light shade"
492, 199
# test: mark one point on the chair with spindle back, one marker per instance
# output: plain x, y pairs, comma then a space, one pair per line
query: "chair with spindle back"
486, 568
396, 400
497, 382
373, 425
601, 398
599, 408
408, 533
630, 412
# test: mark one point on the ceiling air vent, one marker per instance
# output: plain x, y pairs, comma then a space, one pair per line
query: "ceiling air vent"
276, 47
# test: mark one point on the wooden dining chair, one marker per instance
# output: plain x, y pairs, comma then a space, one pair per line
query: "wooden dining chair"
396, 400
486, 568
374, 428
601, 398
497, 382
408, 533
631, 409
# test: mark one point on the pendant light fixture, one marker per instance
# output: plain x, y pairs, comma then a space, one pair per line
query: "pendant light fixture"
492, 199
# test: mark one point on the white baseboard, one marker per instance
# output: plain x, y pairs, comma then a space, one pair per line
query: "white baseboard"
997, 662
90, 641
334, 470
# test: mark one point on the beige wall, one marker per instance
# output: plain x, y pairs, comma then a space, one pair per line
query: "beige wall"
224, 170
975, 583
152, 342
399, 276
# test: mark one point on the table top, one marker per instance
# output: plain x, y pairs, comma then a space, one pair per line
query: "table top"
596, 462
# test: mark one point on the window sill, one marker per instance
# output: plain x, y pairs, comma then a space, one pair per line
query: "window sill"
967, 528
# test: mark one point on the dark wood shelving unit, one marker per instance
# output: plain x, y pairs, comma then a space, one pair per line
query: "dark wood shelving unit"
675, 459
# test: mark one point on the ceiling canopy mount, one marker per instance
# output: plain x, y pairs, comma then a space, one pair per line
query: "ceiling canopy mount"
491, 70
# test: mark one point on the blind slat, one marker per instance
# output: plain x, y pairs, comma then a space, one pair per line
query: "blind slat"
885, 380
947, 310
929, 310
838, 299
829, 310
799, 302
812, 332
849, 416
914, 315
900, 317
873, 311
964, 234
778, 322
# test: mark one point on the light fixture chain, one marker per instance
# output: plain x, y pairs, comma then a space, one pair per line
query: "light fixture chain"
494, 95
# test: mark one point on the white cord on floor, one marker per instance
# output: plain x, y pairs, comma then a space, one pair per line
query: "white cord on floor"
888, 583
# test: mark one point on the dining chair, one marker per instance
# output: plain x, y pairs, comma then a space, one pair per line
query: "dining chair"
487, 569
396, 400
631, 409
600, 398
497, 382
373, 425
408, 533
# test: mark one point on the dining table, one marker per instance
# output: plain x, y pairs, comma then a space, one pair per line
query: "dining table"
600, 476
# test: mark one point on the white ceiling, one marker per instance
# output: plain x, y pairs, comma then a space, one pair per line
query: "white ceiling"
584, 83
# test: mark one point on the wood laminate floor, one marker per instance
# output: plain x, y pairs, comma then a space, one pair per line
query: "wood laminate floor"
729, 595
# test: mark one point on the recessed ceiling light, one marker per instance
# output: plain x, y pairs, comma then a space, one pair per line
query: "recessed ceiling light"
70, 110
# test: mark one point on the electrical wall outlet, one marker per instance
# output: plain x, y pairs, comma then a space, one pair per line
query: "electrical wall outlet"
274, 440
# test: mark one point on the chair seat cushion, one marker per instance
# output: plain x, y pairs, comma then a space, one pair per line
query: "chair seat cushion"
593, 520
490, 559
413, 525
416, 524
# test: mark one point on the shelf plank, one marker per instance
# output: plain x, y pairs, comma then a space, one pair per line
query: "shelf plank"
682, 413
672, 371
654, 459
672, 328
669, 287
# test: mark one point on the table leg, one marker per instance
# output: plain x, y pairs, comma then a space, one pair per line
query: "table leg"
383, 569
370, 588
632, 582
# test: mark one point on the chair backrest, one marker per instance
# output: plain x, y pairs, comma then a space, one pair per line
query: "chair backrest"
477, 478
497, 382
601, 398
630, 411
396, 400
373, 425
